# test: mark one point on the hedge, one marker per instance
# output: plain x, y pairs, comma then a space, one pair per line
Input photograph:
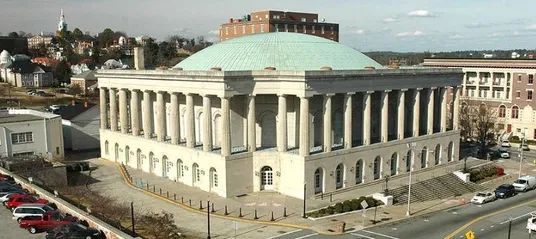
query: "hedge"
488, 171
346, 206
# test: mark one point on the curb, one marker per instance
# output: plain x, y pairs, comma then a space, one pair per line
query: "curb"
129, 183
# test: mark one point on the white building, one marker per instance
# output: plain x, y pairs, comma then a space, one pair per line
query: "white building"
30, 132
80, 126
290, 110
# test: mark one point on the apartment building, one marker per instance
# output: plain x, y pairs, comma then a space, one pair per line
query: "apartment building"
505, 84
279, 21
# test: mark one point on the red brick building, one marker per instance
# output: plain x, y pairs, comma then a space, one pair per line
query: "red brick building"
279, 21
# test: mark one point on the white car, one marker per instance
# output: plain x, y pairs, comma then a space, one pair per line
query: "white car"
505, 143
4, 196
483, 197
26, 210
504, 153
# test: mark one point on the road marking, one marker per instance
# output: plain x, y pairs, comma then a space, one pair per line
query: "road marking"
518, 217
280, 235
359, 235
426, 220
484, 217
482, 229
492, 226
394, 228
310, 235
455, 213
379, 234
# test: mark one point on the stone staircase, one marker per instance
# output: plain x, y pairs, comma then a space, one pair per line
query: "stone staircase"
442, 187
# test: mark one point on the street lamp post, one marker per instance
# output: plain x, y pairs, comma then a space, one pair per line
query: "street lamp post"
208, 219
132, 218
304, 199
521, 153
412, 148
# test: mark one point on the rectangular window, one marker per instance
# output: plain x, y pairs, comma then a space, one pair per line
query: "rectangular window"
295, 28
253, 29
226, 30
518, 78
274, 16
314, 29
303, 19
23, 154
322, 29
304, 29
234, 30
518, 94
286, 27
262, 27
19, 138
485, 95
244, 29
531, 79
529, 95
276, 27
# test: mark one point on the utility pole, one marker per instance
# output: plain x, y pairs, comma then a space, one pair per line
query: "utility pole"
132, 218
208, 219
412, 149
521, 153
304, 199
509, 227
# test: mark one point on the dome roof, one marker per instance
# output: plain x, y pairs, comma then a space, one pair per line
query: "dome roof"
281, 50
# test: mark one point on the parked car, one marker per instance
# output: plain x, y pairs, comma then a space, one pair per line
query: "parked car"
29, 92
5, 196
505, 190
483, 197
524, 146
31, 210
505, 143
45, 222
525, 183
74, 230
503, 153
40, 93
25, 199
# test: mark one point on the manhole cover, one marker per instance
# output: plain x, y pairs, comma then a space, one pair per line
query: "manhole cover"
333, 220
281, 232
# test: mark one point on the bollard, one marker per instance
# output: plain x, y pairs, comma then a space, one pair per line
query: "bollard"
240, 213
147, 185
226, 213
255, 215
190, 202
160, 192
167, 194
182, 199
285, 212
322, 196
272, 217
174, 197
213, 208
201, 205
154, 189
331, 197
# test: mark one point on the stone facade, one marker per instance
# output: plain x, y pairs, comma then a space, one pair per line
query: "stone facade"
276, 130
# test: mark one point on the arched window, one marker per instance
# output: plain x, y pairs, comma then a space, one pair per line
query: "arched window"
319, 181
165, 168
515, 112
424, 157
116, 150
394, 164
359, 171
196, 174
213, 178
451, 151
151, 162
339, 176
437, 154
106, 147
502, 111
267, 178
377, 167
139, 161
180, 169
127, 155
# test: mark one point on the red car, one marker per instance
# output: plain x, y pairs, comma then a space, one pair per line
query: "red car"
48, 221
25, 199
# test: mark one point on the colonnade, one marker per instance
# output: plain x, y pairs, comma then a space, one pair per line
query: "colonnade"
132, 126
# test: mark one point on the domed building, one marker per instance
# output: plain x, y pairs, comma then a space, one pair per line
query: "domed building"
276, 110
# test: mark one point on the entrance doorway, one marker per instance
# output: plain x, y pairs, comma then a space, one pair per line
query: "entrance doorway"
267, 178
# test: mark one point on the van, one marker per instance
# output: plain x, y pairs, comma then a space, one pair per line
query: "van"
31, 210
525, 183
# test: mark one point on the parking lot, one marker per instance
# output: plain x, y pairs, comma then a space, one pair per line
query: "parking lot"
10, 229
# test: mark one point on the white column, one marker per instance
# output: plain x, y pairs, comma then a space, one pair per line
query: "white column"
304, 127
430, 109
401, 113
443, 115
327, 123
135, 112
147, 114
385, 116
348, 120
190, 123
252, 130
174, 123
366, 117
479, 75
464, 83
160, 116
226, 127
416, 111
123, 114
505, 84
103, 108
456, 108
113, 109
282, 124
207, 132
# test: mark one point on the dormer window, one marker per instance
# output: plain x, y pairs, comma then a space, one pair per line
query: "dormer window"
303, 19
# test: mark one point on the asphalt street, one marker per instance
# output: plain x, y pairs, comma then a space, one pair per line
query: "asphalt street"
441, 224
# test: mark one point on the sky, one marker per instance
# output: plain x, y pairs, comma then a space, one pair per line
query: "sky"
371, 25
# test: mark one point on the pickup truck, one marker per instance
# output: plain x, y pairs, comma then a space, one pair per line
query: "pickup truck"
24, 199
48, 221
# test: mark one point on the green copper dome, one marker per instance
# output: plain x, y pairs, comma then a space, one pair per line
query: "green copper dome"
282, 50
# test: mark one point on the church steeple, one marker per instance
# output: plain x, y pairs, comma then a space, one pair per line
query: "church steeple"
62, 25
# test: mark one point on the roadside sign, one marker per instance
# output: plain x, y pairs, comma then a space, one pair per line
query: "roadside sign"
470, 235
364, 204
235, 225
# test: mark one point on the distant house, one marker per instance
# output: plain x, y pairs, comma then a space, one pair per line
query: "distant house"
46, 61
34, 42
81, 122
84, 80
79, 68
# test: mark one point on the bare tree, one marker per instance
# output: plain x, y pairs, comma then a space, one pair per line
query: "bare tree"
479, 121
